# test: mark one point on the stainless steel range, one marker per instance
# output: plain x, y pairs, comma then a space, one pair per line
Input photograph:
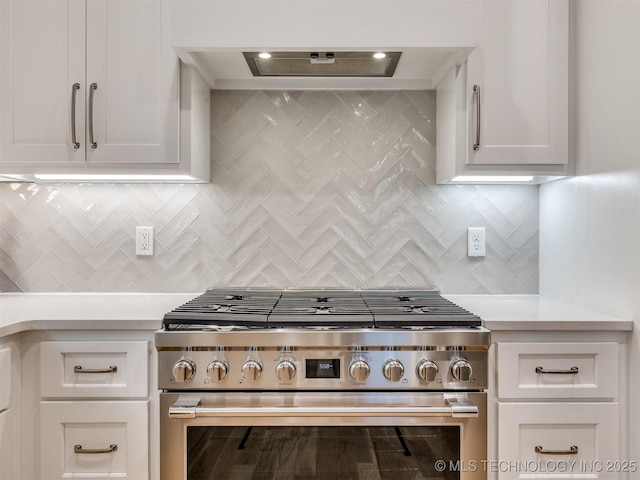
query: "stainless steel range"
266, 365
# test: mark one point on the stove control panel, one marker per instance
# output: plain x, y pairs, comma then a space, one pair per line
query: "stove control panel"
257, 368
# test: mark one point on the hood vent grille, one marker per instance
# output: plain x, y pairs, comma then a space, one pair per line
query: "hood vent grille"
322, 64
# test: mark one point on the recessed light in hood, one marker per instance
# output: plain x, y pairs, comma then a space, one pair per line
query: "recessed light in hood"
323, 64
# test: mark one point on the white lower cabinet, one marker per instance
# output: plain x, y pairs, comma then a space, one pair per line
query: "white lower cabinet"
8, 415
5, 378
7, 445
94, 410
94, 440
558, 440
558, 410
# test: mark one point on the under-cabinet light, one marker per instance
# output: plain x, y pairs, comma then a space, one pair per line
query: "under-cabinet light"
379, 55
492, 178
264, 55
12, 177
81, 177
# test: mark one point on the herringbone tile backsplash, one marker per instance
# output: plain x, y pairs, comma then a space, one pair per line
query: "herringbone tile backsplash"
309, 188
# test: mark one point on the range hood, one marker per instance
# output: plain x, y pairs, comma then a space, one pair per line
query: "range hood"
322, 64
412, 68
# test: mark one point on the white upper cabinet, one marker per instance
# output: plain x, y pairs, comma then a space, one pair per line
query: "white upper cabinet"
89, 87
521, 68
42, 57
135, 105
511, 99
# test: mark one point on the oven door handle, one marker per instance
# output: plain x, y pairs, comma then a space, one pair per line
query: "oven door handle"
454, 408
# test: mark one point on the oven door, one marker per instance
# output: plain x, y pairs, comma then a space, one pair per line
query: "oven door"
323, 435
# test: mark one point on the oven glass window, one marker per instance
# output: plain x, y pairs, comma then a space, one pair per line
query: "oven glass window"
322, 453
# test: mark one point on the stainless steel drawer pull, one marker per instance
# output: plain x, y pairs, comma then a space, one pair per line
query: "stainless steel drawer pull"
79, 369
476, 91
92, 451
572, 451
74, 89
571, 371
92, 88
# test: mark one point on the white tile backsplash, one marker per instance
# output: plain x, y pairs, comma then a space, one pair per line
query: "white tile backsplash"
309, 188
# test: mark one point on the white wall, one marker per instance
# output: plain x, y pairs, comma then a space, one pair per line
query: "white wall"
590, 224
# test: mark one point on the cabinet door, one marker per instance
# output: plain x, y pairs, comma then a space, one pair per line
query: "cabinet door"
8, 446
5, 378
9, 436
521, 65
532, 436
94, 440
134, 112
42, 56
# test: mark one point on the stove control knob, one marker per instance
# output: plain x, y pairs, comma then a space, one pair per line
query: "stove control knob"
427, 370
359, 370
461, 370
285, 370
217, 371
183, 370
393, 370
251, 370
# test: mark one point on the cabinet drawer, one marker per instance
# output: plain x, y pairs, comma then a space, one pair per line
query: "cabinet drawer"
583, 370
591, 428
71, 430
94, 369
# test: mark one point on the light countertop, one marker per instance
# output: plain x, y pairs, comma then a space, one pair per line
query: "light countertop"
144, 311
86, 311
537, 312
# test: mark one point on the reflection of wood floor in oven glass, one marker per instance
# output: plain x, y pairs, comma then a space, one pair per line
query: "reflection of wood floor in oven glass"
320, 453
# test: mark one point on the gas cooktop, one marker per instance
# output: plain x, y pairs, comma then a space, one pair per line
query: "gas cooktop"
227, 308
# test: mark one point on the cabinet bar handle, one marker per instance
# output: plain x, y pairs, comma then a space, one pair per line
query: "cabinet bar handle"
571, 371
79, 369
572, 451
92, 451
476, 91
74, 141
92, 88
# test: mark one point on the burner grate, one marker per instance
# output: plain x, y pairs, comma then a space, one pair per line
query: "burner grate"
268, 308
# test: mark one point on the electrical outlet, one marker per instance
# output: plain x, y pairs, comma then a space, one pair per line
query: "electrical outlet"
144, 240
476, 242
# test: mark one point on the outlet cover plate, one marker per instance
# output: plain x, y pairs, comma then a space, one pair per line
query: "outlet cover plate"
476, 242
144, 240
